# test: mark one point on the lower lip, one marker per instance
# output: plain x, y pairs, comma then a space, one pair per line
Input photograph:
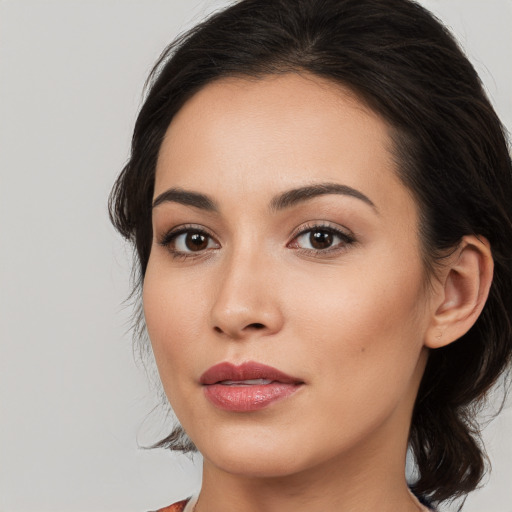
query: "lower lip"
248, 398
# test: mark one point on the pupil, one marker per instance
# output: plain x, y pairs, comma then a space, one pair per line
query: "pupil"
321, 239
196, 242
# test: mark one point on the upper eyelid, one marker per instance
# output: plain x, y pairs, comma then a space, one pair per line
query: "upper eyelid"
168, 235
183, 228
304, 228
308, 226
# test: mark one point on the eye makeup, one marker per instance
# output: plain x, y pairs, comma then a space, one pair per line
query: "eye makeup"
188, 240
317, 238
321, 239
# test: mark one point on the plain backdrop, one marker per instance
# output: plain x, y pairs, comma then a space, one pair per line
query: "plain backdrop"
74, 407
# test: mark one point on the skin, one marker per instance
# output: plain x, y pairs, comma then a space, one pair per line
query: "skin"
352, 321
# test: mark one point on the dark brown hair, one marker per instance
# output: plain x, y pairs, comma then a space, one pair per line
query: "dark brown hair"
451, 152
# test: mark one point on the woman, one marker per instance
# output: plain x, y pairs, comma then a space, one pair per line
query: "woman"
319, 196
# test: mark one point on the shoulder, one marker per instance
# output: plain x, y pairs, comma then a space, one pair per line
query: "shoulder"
175, 507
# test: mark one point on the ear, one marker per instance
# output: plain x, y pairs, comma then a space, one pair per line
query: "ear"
461, 292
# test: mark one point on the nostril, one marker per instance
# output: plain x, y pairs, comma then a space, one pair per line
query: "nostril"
256, 326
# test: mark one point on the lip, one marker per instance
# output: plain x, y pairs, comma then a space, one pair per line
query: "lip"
239, 396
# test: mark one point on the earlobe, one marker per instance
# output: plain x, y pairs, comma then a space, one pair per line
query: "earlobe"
462, 293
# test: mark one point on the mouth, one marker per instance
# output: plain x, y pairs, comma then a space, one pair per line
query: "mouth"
248, 382
250, 373
248, 387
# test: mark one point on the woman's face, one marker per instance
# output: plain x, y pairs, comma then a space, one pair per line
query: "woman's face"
283, 237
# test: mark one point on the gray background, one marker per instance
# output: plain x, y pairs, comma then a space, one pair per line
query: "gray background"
73, 404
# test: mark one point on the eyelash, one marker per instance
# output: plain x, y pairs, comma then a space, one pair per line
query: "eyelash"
346, 238
169, 238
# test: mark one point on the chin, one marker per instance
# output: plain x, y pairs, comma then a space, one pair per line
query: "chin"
251, 454
257, 464
261, 453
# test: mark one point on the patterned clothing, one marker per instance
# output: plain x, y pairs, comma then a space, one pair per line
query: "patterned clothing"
177, 507
181, 506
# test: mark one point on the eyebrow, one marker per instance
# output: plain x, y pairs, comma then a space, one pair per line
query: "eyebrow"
299, 195
187, 198
282, 201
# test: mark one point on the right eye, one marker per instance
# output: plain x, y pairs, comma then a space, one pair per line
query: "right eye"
188, 241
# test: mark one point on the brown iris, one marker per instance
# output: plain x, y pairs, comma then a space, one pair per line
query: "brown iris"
196, 241
321, 239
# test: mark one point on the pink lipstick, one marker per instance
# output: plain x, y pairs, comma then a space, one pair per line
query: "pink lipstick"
248, 387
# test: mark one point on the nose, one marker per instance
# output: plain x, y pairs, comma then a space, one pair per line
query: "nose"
247, 299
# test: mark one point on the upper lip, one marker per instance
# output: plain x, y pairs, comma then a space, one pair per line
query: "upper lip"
245, 371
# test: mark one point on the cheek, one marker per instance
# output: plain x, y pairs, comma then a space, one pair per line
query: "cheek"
354, 303
366, 319
174, 311
362, 337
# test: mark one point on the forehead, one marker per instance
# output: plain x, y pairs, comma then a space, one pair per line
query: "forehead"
276, 132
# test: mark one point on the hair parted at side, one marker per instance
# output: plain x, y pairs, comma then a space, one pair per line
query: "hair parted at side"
451, 151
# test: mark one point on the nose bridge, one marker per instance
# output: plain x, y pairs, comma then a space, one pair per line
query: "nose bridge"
246, 300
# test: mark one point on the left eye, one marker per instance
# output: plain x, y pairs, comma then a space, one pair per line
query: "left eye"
192, 241
320, 239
